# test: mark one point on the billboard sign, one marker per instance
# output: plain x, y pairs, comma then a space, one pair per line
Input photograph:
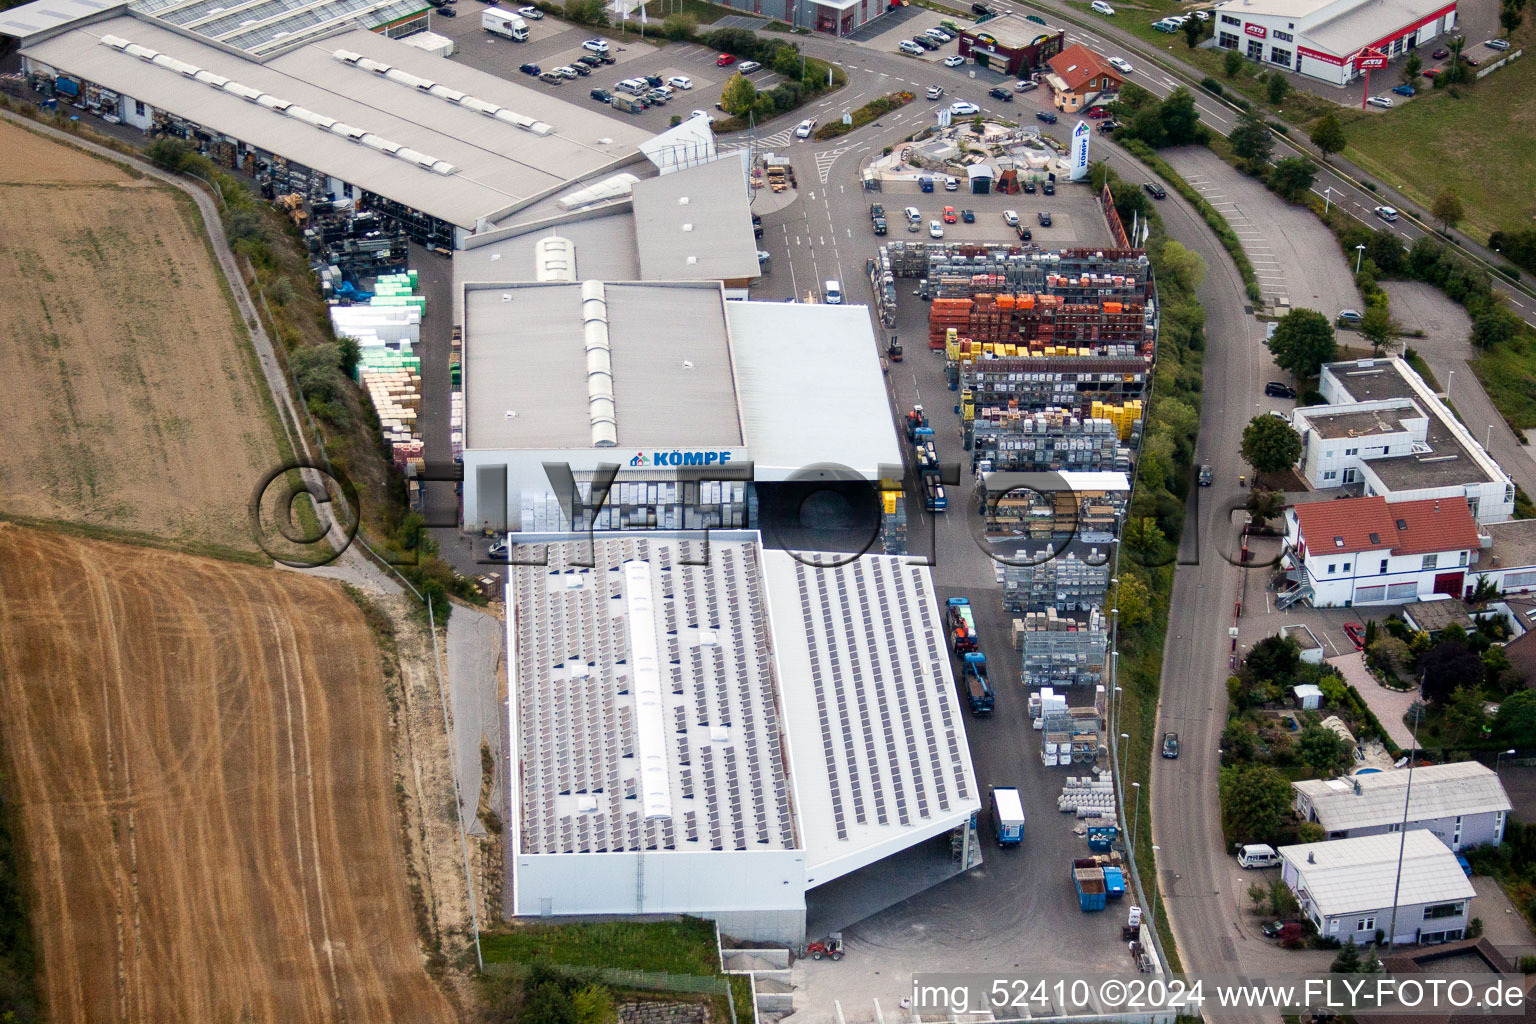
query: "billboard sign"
1370, 59
1257, 31
1080, 136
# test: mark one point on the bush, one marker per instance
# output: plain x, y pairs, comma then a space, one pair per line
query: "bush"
679, 27
1212, 86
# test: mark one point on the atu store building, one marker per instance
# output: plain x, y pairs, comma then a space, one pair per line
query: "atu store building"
1329, 40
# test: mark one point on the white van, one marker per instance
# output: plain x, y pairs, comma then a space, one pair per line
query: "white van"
834, 291
1258, 855
634, 86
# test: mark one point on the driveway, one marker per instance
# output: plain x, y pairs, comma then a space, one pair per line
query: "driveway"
1295, 257
1389, 706
1502, 924
1446, 348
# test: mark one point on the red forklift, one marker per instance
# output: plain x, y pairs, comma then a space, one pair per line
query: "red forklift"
830, 947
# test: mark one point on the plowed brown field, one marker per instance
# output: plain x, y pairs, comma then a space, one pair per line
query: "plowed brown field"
200, 756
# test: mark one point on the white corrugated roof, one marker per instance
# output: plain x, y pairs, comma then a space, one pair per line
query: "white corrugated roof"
877, 744
42, 15
1347, 876
1439, 791
696, 224
810, 388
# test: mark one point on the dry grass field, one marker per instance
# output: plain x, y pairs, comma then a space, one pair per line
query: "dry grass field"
133, 400
200, 758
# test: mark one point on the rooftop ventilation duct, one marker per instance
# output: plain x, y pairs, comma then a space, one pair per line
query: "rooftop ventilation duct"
477, 105
272, 102
141, 52
116, 42
346, 56
378, 67
345, 129
600, 407
554, 259
209, 78
442, 92
406, 78
379, 143
245, 92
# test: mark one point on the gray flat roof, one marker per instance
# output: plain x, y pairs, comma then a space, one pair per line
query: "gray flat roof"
1514, 544
525, 366
712, 751
499, 165
696, 224
262, 27
811, 389
43, 15
1439, 791
1449, 461
605, 251
1364, 24
1013, 31
1363, 423
1346, 876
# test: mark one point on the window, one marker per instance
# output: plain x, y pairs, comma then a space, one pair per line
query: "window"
1462, 560
1330, 474
1333, 926
1331, 567
1383, 570
1365, 924
1255, 50
1351, 451
1283, 37
1370, 595
346, 190
1346, 566
1440, 911
1281, 57
1396, 826
138, 107
1515, 580
1402, 591
1227, 19
1430, 561
1227, 41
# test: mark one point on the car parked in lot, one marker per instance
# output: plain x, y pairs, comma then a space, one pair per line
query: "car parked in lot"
963, 108
1097, 112
1000, 93
1386, 213
1044, 218
1471, 62
909, 48
935, 229
1349, 316
968, 216
1049, 188
1025, 85
1011, 218
949, 215
447, 12
746, 67
1380, 101
1272, 929
1155, 190
954, 60
912, 215
1025, 234
804, 128
1431, 72
951, 183
1029, 186
656, 98
552, 78
935, 91
680, 82
581, 69
725, 60
1100, 7
602, 95
1441, 53
1497, 44
1278, 389
1108, 127
567, 72
531, 69
595, 45
590, 60
1356, 633
531, 13
1405, 90
1121, 65
1049, 117
1170, 745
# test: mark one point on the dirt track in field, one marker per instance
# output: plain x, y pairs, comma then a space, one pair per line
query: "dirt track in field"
132, 397
201, 759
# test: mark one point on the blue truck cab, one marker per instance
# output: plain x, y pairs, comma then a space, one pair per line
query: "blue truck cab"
978, 688
1008, 816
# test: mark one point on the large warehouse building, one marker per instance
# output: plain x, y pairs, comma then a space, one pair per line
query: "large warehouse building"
1328, 39
351, 115
715, 729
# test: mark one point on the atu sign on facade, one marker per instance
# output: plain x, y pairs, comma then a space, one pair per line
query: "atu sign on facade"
1258, 31
1370, 60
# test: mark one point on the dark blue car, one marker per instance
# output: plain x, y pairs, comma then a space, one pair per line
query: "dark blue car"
1046, 116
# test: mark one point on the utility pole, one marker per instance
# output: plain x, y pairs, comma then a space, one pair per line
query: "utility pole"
1402, 838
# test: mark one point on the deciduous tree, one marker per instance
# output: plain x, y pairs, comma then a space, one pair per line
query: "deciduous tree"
1447, 208
1270, 445
1256, 802
1183, 265
1328, 136
1251, 140
1232, 63
1379, 328
1292, 177
738, 95
1303, 342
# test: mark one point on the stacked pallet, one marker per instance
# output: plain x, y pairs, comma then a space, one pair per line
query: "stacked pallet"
946, 315
1126, 416
893, 521
393, 290
1061, 650
1014, 439
1049, 581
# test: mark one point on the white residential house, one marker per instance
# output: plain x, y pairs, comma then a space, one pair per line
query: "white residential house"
1347, 887
1384, 431
1462, 804
1364, 551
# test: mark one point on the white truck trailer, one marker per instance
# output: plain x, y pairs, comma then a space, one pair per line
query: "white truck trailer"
504, 23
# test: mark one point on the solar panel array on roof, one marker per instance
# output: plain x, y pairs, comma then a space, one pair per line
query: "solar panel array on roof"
715, 697
263, 27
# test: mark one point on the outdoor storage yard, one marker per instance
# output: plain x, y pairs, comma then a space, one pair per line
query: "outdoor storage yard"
134, 401
200, 757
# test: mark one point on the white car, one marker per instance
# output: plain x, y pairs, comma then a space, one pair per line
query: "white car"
680, 82
912, 214
1102, 8
566, 72
595, 46
1011, 218
963, 108
935, 91
938, 35
935, 229
954, 60
951, 184
665, 90
531, 13
804, 128
706, 115
1121, 65
746, 67
499, 547
1380, 101
1202, 15
910, 48
1386, 213
1497, 44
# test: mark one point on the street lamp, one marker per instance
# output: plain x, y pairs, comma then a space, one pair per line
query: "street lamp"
1488, 442
1359, 254
1137, 819
1501, 755
1327, 199
1125, 741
